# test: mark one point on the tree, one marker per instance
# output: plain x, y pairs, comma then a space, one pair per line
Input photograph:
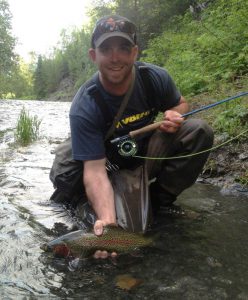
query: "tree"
7, 44
21, 80
39, 81
202, 52
151, 17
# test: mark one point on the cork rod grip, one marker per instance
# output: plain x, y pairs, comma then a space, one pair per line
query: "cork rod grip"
145, 129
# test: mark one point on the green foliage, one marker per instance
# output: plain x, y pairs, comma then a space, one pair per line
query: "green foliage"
21, 81
7, 44
243, 179
201, 53
101, 8
150, 16
232, 119
39, 79
27, 129
75, 52
71, 60
15, 76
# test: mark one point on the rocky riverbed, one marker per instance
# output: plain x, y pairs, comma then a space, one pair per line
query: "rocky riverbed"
227, 168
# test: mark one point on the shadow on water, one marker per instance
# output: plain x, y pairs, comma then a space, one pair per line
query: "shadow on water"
202, 255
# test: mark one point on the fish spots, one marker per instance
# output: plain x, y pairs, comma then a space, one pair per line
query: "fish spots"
83, 244
109, 243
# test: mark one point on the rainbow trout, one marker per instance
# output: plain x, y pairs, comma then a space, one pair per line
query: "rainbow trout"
82, 244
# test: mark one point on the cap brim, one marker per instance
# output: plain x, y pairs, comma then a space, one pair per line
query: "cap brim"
108, 35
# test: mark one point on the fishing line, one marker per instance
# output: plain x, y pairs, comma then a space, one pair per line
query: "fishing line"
193, 154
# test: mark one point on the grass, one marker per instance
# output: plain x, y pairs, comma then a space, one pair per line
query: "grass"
27, 129
228, 119
243, 179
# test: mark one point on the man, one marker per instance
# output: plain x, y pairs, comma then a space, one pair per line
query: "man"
114, 51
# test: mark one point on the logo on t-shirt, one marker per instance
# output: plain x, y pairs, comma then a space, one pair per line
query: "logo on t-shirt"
132, 119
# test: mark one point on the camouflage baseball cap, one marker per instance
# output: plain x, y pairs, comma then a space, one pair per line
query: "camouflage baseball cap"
111, 26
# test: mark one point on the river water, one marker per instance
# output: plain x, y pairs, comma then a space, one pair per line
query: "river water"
203, 255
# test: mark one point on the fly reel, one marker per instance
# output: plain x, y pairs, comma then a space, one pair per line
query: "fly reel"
128, 147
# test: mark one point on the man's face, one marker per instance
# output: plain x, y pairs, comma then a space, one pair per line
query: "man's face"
114, 58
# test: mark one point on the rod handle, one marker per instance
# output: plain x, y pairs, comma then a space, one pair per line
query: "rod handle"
145, 129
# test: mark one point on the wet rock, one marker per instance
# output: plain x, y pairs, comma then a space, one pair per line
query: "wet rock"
235, 190
213, 262
200, 204
127, 282
243, 156
243, 296
226, 166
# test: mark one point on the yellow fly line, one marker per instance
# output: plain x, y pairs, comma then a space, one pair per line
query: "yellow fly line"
193, 154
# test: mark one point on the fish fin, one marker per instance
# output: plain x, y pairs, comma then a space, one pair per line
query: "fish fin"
74, 264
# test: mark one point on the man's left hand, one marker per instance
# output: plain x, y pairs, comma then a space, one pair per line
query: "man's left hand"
172, 121
98, 230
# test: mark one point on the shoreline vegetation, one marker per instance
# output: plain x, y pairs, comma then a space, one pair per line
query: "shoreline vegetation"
27, 128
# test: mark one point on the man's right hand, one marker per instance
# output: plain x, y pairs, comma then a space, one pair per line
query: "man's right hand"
100, 193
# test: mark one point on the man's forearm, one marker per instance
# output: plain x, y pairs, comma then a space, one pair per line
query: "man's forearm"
182, 107
101, 197
100, 193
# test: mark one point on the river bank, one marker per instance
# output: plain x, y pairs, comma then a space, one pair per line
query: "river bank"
227, 168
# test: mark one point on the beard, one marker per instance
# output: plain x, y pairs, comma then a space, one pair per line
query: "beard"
116, 75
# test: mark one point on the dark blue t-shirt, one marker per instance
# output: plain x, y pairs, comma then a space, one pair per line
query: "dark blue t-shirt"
88, 126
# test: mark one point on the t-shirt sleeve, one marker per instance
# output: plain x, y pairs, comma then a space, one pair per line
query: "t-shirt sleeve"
167, 93
87, 139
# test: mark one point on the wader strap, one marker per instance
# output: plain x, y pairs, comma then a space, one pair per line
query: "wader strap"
149, 90
122, 107
105, 111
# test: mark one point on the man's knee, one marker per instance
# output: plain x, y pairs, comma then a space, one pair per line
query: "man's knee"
200, 130
199, 124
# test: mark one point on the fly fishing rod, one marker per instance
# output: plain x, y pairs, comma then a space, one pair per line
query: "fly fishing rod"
126, 144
